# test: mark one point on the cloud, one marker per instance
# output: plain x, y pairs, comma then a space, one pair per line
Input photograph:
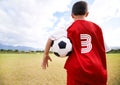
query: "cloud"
26, 22
112, 37
103, 10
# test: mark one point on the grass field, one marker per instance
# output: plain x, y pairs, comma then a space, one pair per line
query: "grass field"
24, 69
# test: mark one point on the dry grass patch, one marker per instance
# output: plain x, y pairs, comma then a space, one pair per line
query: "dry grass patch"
25, 69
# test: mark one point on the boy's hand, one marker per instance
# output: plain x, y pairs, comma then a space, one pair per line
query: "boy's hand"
45, 62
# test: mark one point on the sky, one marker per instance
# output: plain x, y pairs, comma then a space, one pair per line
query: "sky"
31, 22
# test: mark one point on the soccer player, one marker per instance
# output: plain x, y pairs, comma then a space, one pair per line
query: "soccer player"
86, 65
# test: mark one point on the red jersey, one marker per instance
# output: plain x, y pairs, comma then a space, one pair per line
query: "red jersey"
87, 62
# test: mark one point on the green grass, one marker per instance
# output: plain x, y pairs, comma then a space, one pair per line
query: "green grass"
113, 63
25, 69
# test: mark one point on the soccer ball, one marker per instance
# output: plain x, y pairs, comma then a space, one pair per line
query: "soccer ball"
61, 47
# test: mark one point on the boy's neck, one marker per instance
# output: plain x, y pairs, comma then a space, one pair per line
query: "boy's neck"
79, 18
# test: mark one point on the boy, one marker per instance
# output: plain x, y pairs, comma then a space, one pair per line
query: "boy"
86, 65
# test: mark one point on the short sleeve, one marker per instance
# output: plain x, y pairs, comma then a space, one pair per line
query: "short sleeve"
107, 48
57, 34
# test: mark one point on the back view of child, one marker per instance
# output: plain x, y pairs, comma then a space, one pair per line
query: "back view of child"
86, 65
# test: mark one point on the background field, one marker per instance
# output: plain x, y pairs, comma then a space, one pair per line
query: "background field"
24, 69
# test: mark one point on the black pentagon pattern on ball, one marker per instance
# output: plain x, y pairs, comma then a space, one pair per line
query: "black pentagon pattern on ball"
56, 54
62, 45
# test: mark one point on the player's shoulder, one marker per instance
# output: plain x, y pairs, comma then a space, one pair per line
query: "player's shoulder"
94, 24
85, 22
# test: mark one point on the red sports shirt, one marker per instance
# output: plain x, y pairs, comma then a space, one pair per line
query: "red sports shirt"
87, 61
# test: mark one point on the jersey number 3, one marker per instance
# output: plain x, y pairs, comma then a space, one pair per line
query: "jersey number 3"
86, 45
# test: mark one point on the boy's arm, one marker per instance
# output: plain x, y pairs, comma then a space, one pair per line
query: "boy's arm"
46, 56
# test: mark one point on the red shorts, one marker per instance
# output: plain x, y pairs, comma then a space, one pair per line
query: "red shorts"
72, 81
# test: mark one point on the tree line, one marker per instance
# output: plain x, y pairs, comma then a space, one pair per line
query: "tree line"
18, 51
40, 51
115, 51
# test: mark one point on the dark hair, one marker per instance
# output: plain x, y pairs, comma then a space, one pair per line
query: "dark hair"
79, 8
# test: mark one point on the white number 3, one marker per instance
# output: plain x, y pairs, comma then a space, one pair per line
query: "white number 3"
86, 44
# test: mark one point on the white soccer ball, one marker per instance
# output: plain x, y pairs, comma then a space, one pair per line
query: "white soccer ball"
61, 47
